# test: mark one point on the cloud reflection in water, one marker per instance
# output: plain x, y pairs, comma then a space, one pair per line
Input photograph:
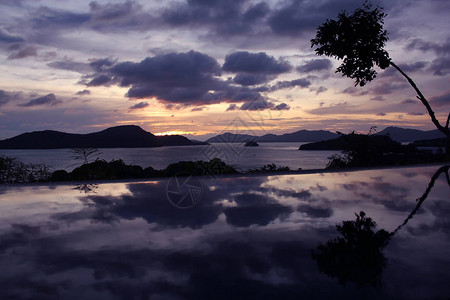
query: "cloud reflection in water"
247, 238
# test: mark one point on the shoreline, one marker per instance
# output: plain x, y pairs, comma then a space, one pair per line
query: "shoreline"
224, 176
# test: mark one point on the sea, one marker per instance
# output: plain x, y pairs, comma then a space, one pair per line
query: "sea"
234, 154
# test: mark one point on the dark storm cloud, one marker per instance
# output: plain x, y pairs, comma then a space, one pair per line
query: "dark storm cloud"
409, 101
139, 105
316, 211
440, 66
261, 104
232, 107
320, 89
255, 63
113, 12
257, 11
282, 106
99, 80
83, 93
440, 49
407, 68
101, 64
27, 51
256, 105
441, 100
49, 99
247, 79
54, 19
388, 87
9, 39
5, 96
71, 66
223, 17
301, 82
315, 65
189, 78
355, 91
295, 17
175, 77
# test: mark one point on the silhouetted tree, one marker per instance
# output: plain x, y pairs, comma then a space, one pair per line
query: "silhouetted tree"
84, 153
359, 39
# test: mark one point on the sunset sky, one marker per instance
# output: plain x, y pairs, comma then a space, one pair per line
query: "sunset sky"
203, 67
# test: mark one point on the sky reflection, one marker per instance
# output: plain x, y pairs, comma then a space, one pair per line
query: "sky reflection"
247, 237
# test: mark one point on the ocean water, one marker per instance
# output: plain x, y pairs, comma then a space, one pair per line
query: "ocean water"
234, 237
237, 155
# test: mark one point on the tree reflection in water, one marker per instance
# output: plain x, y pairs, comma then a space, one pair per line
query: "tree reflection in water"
86, 188
357, 256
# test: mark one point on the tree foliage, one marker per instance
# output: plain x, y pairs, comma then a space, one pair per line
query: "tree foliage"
358, 39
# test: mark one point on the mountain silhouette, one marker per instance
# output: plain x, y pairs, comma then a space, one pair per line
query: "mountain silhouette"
127, 136
410, 135
298, 136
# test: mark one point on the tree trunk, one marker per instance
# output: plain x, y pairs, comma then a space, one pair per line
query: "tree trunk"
444, 129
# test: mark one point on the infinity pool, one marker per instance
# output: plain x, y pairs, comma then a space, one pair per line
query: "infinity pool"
260, 237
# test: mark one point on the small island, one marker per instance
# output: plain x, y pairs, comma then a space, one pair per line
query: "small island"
251, 144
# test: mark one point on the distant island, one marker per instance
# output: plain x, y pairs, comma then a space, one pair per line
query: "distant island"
132, 136
395, 133
127, 136
298, 136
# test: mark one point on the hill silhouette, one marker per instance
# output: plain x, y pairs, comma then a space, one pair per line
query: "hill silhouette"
410, 135
126, 136
298, 136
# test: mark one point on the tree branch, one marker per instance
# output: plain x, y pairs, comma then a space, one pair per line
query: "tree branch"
424, 101
448, 120
443, 169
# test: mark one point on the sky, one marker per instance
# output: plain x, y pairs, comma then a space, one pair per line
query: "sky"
204, 67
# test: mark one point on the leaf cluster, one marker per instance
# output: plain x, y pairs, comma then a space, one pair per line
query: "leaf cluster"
358, 39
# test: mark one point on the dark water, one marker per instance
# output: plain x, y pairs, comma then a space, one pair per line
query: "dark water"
243, 158
226, 238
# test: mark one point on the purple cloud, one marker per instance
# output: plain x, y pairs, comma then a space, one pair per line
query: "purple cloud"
377, 98
441, 100
99, 80
5, 96
388, 87
232, 106
290, 18
262, 105
247, 79
282, 106
8, 39
440, 66
255, 63
301, 82
315, 65
23, 53
49, 99
189, 78
338, 108
83, 93
139, 105
440, 49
